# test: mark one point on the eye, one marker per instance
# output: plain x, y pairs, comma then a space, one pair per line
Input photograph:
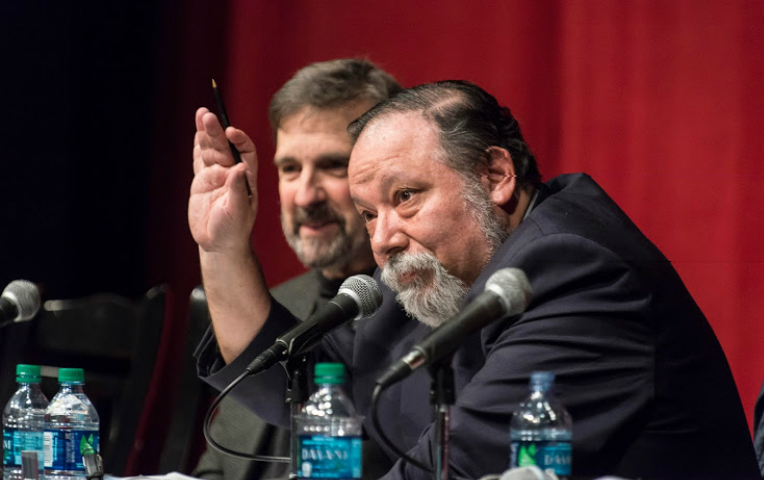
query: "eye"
367, 216
336, 167
405, 195
289, 169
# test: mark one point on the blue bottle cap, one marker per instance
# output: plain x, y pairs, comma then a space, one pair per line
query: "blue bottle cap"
542, 381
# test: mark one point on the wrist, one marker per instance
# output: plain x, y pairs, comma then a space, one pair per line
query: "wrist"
225, 259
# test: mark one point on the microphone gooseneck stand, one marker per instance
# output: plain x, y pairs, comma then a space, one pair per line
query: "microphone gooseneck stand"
441, 396
297, 392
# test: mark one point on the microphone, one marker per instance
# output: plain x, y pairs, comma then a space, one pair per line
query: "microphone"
507, 292
20, 301
358, 297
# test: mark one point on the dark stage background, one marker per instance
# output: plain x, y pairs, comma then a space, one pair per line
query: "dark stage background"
661, 102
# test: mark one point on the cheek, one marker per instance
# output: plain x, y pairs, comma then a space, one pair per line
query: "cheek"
286, 199
450, 234
440, 227
287, 191
379, 261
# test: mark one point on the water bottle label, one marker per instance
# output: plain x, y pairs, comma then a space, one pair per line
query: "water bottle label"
544, 454
16, 441
64, 447
9, 449
329, 457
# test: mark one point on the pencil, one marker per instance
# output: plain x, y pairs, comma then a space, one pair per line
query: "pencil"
225, 124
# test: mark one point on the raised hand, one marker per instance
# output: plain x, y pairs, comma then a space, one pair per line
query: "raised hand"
221, 213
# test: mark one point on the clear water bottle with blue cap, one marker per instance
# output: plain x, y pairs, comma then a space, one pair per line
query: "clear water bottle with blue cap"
329, 429
71, 428
23, 421
541, 430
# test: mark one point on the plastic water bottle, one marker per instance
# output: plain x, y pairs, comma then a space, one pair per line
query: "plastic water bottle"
23, 419
328, 429
541, 430
71, 428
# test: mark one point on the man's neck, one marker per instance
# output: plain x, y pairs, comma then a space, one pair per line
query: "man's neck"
525, 197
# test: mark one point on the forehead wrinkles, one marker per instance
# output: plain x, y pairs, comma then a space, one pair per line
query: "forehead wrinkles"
396, 135
300, 146
370, 170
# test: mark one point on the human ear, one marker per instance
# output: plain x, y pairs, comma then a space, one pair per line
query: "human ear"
501, 176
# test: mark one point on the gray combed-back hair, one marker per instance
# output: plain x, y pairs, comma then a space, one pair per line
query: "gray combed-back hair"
468, 121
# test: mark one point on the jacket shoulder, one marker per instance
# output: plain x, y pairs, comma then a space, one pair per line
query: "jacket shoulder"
298, 294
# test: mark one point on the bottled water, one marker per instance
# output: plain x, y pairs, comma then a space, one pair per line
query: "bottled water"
71, 428
541, 430
23, 419
328, 429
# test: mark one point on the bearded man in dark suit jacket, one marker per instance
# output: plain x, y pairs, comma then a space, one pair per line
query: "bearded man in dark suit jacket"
450, 194
309, 116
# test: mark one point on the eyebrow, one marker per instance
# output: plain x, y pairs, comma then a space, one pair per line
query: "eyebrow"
384, 187
358, 202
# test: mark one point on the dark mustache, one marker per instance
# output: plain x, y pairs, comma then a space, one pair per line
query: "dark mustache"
321, 212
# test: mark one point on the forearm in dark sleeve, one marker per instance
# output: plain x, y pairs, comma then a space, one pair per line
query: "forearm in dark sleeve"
262, 393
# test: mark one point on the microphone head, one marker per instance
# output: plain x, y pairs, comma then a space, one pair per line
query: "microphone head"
512, 287
25, 296
365, 292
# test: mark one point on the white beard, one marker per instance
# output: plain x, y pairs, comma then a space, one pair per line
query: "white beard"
432, 302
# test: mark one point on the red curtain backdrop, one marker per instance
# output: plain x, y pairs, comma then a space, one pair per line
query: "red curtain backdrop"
661, 102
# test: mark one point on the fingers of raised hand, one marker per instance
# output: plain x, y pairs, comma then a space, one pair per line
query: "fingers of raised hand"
235, 183
212, 142
210, 179
198, 117
244, 145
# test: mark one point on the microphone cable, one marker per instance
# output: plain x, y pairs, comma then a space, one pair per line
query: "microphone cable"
226, 450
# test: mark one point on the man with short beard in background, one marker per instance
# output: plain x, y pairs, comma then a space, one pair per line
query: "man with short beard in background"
309, 116
450, 194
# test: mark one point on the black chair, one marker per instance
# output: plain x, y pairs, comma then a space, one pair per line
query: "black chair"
184, 442
115, 340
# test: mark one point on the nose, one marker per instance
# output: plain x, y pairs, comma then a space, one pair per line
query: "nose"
309, 190
387, 236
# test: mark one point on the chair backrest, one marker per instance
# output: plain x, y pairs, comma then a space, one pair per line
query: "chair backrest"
184, 442
115, 340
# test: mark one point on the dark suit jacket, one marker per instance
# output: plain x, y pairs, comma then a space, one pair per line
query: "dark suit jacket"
758, 429
637, 365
